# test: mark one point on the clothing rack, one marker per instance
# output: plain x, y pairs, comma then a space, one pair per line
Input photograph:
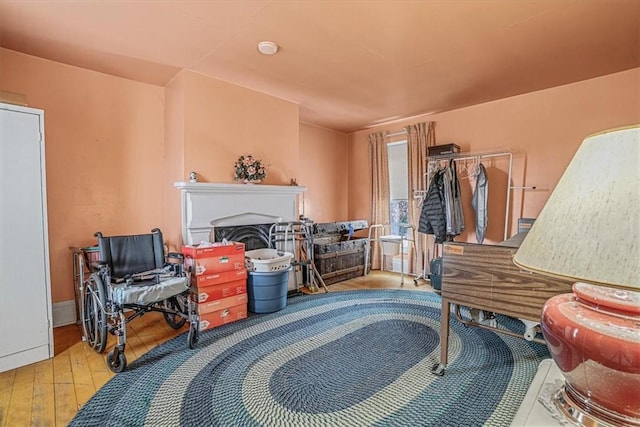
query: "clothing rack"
478, 157
457, 157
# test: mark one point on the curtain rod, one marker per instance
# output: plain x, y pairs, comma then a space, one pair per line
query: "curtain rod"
397, 133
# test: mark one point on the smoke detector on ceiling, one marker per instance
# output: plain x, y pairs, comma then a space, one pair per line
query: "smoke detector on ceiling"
267, 48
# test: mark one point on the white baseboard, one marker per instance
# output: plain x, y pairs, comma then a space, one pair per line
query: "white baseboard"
64, 313
26, 357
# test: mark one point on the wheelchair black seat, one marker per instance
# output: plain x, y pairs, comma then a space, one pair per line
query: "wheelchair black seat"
128, 255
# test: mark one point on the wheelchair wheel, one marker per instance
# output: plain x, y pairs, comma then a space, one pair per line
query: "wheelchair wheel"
176, 303
87, 315
193, 335
116, 360
94, 317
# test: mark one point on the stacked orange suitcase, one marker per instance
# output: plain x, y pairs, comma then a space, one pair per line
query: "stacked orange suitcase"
218, 282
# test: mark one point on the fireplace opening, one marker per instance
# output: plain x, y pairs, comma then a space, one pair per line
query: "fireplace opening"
254, 236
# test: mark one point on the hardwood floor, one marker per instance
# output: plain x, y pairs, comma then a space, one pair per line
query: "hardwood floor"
49, 393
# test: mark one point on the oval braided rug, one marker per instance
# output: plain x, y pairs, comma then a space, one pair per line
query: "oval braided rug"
339, 359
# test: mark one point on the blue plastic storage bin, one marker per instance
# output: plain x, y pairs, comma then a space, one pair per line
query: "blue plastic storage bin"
267, 290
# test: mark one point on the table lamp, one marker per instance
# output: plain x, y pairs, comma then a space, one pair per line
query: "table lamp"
589, 231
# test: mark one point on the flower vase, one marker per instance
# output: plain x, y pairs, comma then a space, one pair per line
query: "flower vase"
252, 181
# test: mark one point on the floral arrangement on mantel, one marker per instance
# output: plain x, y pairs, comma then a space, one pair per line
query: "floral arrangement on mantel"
249, 169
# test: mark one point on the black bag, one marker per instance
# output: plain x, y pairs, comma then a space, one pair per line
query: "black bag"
436, 273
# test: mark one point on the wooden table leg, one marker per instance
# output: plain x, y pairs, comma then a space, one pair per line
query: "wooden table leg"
439, 368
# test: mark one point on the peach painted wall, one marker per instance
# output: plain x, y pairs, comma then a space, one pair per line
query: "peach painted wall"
223, 121
543, 129
210, 123
104, 154
174, 169
111, 163
323, 161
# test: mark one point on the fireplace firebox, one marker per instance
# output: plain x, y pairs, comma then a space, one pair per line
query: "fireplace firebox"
254, 236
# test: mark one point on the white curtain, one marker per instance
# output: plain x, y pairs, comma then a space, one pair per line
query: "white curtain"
419, 137
379, 164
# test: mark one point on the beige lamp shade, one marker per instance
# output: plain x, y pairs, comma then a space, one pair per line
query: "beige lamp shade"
589, 229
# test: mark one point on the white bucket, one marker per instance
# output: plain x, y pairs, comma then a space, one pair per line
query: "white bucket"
390, 244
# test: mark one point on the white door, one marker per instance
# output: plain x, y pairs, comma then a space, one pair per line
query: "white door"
25, 307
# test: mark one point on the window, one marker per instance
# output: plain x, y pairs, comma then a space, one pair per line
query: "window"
398, 185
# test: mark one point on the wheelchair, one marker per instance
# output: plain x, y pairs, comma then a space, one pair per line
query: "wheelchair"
131, 278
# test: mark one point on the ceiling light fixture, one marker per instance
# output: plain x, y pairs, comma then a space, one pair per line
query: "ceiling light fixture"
267, 48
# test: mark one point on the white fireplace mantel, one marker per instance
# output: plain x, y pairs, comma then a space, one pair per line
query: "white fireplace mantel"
207, 204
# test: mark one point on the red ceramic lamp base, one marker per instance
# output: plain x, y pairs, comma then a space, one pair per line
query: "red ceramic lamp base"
582, 411
594, 338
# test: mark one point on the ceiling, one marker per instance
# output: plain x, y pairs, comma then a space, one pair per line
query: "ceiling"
349, 64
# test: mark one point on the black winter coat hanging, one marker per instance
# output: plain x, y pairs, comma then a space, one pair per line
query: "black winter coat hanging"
432, 217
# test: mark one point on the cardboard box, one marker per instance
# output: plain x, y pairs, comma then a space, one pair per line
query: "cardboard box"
213, 259
212, 279
220, 304
216, 264
216, 250
222, 317
217, 292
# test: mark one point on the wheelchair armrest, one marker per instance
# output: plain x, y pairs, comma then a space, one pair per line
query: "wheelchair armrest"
133, 279
175, 255
98, 265
175, 261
